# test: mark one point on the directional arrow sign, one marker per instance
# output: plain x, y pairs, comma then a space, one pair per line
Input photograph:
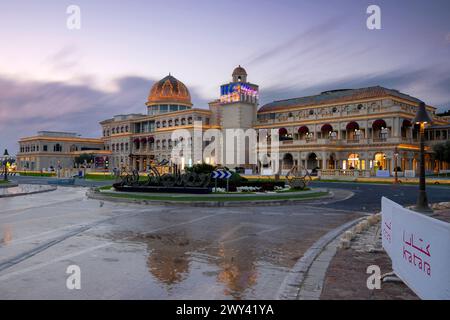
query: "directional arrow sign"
220, 174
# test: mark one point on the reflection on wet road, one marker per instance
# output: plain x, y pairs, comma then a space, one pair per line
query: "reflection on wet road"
148, 252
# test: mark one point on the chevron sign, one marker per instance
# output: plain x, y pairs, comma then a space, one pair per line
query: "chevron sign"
220, 174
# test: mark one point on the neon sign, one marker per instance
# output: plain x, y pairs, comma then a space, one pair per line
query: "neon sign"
236, 91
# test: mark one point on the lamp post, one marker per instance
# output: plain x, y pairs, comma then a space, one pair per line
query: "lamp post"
5, 163
422, 118
395, 165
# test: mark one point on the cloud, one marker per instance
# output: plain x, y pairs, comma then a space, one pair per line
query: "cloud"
428, 84
64, 59
315, 34
29, 106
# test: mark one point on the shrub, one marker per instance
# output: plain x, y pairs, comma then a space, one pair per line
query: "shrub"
201, 168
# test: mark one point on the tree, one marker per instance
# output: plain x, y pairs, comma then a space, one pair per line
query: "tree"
84, 158
442, 151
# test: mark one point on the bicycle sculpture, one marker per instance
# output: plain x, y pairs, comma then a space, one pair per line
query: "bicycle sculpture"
296, 180
168, 182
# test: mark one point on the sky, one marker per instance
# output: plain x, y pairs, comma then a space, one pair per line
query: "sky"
54, 78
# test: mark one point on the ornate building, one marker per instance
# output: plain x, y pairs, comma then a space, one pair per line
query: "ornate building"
362, 129
49, 150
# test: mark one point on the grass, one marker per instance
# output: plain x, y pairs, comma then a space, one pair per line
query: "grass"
37, 174
104, 188
99, 177
216, 199
3, 182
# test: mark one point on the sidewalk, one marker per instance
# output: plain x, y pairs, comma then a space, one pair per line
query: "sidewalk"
346, 275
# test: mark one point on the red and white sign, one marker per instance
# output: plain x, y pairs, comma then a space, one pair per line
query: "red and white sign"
419, 247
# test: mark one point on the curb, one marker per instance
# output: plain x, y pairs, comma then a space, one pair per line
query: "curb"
291, 286
52, 188
98, 196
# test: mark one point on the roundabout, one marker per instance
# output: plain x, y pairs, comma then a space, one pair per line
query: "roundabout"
212, 200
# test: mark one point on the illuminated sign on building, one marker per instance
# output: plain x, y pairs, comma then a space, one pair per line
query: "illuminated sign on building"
236, 91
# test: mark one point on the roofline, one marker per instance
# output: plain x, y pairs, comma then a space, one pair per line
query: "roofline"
338, 103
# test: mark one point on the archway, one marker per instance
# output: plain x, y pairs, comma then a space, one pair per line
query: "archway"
406, 129
288, 161
353, 132
379, 162
303, 132
379, 128
354, 161
332, 161
311, 162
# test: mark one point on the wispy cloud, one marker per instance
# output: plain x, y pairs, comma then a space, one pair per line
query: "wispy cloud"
303, 40
428, 84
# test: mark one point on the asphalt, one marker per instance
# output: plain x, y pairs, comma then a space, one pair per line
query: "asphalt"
368, 196
129, 251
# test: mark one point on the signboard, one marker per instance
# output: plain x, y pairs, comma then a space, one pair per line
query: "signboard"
220, 174
383, 173
237, 91
418, 246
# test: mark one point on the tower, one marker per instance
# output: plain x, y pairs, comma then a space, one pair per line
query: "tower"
237, 107
238, 101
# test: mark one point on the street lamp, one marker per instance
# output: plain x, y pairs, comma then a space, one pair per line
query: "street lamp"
5, 163
396, 165
422, 118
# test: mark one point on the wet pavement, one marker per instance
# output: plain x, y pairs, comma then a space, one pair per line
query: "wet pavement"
129, 251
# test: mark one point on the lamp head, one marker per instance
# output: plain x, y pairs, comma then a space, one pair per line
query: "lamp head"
422, 115
6, 154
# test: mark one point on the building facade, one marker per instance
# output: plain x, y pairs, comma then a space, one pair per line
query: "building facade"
49, 150
365, 129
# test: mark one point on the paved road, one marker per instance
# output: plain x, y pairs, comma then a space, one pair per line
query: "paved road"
44, 180
148, 252
368, 196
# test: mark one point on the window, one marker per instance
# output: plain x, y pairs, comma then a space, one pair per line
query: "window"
163, 108
57, 148
45, 148
173, 108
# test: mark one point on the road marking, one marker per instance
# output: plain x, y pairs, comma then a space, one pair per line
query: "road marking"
44, 264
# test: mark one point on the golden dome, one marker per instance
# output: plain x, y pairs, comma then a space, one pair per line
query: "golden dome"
169, 90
